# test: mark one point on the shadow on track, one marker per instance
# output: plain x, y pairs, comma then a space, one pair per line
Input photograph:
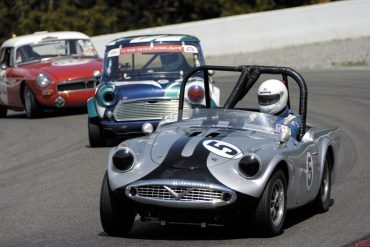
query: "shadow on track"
153, 231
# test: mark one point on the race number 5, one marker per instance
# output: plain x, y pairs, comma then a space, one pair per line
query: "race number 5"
223, 149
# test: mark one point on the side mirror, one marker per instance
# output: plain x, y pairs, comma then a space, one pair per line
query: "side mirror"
284, 136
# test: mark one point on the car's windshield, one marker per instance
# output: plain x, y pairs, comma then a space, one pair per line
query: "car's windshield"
223, 118
169, 59
55, 48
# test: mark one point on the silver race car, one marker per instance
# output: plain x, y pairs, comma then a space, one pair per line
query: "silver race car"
215, 166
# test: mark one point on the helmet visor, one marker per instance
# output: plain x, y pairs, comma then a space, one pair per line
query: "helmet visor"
268, 99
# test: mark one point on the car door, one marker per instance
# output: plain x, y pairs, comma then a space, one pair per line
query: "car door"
5, 63
9, 79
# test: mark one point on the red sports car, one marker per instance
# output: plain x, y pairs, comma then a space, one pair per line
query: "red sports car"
47, 70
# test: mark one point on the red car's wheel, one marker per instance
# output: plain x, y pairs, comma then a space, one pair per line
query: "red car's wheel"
32, 107
3, 111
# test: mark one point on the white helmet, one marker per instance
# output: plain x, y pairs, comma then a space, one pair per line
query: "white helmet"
272, 96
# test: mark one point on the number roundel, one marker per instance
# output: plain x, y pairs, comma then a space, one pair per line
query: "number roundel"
223, 149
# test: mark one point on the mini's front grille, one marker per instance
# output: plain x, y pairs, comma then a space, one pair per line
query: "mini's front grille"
179, 193
148, 110
76, 85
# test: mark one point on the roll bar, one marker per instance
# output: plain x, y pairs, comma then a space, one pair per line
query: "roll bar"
249, 75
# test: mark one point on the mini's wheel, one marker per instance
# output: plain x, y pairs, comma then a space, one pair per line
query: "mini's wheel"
271, 209
3, 111
322, 201
32, 107
96, 134
116, 217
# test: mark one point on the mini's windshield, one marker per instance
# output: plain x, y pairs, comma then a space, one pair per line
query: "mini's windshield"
55, 48
131, 61
224, 118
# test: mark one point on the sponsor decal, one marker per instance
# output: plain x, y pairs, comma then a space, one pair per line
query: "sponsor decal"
69, 62
154, 48
223, 149
309, 174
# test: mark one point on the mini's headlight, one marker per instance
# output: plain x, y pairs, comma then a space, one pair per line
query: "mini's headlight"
42, 80
195, 93
123, 160
249, 166
106, 96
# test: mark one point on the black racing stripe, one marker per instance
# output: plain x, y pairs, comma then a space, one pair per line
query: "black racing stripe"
194, 167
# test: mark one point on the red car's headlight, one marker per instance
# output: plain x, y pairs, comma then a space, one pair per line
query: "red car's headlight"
42, 80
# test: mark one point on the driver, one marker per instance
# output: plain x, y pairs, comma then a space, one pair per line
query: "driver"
272, 99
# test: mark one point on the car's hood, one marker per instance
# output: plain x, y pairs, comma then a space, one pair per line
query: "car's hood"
66, 69
190, 148
145, 89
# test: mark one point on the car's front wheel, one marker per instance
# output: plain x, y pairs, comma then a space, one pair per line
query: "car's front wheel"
116, 217
271, 209
32, 107
3, 111
322, 201
96, 134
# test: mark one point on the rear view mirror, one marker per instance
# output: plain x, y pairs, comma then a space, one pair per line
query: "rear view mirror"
284, 136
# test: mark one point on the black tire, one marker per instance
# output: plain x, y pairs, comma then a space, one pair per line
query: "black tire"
271, 209
96, 134
3, 111
322, 201
31, 106
116, 217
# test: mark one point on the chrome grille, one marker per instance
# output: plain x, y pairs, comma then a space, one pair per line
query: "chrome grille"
76, 85
148, 110
183, 193
180, 193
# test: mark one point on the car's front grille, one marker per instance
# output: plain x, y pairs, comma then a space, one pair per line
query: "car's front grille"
180, 193
148, 110
76, 85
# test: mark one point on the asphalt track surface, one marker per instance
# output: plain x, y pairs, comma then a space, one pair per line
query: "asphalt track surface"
50, 179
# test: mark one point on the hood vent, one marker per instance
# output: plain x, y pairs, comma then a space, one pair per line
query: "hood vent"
195, 133
212, 135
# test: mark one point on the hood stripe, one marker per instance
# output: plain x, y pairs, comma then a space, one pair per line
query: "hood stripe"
184, 165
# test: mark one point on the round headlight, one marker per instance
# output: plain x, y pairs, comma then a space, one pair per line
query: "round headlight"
195, 93
249, 166
42, 80
106, 96
123, 160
